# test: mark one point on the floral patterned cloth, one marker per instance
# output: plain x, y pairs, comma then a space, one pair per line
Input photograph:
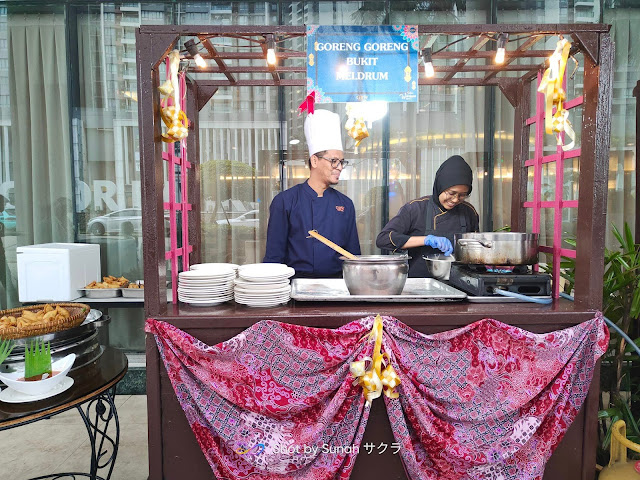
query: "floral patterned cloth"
486, 401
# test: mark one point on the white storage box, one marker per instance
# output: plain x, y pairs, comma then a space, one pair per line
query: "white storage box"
55, 271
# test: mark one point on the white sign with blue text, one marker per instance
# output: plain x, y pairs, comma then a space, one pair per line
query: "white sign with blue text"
362, 63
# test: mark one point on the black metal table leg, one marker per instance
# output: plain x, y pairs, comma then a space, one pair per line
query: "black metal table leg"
97, 416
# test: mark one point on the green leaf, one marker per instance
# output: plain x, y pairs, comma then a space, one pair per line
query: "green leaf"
5, 350
608, 413
37, 359
629, 419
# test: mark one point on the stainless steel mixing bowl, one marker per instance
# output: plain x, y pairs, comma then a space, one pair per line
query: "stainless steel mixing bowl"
438, 265
375, 274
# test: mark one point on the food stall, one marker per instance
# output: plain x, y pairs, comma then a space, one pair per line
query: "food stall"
173, 449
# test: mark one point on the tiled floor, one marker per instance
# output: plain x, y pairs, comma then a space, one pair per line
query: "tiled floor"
61, 444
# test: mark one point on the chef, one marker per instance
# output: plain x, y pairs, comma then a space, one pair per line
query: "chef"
314, 205
427, 225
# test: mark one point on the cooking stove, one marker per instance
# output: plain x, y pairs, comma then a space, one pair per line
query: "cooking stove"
481, 280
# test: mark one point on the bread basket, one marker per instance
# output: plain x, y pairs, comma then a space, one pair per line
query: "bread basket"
77, 314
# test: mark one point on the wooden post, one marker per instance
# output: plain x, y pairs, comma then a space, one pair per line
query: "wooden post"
149, 54
520, 156
594, 170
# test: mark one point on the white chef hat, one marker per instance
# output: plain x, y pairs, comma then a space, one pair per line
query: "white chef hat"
323, 131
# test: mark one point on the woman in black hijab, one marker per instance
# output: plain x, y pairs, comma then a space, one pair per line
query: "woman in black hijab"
426, 225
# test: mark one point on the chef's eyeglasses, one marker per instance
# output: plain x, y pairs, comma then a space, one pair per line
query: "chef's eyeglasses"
335, 161
459, 196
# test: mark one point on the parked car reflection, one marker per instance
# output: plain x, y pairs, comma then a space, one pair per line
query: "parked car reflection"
127, 222
8, 221
249, 219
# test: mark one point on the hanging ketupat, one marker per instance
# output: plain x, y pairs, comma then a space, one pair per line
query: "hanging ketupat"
551, 86
173, 117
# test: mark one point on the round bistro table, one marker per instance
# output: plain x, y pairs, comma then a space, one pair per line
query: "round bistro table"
93, 395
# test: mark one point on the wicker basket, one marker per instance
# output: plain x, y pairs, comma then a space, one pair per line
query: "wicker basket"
78, 312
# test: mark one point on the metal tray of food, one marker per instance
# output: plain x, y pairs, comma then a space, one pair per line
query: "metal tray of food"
100, 292
133, 292
335, 290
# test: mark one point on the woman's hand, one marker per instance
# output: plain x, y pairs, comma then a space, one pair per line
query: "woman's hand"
441, 243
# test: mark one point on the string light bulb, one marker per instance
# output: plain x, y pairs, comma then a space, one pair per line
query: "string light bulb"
429, 72
191, 47
502, 45
271, 50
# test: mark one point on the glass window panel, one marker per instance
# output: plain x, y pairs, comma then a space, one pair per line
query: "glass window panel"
571, 176
546, 226
569, 226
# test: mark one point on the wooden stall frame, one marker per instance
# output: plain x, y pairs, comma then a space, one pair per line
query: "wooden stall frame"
592, 40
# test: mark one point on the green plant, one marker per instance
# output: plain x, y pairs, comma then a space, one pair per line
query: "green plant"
5, 350
37, 359
621, 297
621, 305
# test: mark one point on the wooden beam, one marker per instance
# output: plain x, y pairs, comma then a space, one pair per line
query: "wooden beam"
213, 54
479, 43
512, 55
589, 41
257, 55
525, 46
204, 94
256, 69
285, 82
512, 29
509, 87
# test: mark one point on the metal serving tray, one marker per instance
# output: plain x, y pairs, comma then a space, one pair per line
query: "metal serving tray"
502, 299
335, 290
100, 292
133, 292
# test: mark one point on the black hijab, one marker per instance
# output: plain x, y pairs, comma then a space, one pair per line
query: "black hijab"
454, 171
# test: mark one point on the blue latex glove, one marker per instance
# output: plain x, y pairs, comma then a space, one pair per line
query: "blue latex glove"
441, 243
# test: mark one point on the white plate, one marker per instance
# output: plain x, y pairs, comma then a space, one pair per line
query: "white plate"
264, 298
258, 271
264, 304
205, 290
263, 293
204, 304
209, 298
211, 267
240, 283
264, 279
9, 395
282, 298
206, 274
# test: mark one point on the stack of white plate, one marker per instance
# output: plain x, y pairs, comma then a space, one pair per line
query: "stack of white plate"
206, 287
212, 266
263, 284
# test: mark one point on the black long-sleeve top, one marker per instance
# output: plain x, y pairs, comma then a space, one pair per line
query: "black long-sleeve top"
421, 217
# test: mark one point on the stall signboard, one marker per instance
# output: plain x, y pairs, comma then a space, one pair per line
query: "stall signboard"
362, 63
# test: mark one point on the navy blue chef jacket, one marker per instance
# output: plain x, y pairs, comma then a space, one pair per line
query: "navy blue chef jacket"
296, 211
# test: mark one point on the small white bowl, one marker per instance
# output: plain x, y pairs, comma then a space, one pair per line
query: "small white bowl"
39, 387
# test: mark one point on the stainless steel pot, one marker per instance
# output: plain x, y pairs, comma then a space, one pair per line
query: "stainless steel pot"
496, 248
375, 274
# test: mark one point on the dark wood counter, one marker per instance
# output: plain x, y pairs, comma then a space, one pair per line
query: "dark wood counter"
173, 448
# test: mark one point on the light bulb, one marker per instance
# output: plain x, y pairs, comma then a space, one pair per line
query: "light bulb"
271, 50
429, 72
502, 45
271, 56
200, 61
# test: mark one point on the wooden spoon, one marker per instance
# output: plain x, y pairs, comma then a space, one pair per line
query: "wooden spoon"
330, 244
